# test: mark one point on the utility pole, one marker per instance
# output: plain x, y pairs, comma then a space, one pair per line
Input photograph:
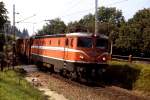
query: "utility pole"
6, 29
111, 47
96, 17
33, 27
14, 22
14, 33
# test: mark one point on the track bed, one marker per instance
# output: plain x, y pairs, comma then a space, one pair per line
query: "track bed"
76, 91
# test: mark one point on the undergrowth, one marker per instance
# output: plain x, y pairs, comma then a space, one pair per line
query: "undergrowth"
134, 76
14, 87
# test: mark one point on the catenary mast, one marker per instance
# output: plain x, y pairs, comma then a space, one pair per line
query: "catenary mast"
96, 17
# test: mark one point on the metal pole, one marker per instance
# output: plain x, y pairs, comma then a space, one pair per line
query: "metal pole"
14, 36
33, 28
5, 33
6, 28
111, 47
14, 22
96, 18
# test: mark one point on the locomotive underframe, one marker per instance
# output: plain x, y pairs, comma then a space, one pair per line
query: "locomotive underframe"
74, 69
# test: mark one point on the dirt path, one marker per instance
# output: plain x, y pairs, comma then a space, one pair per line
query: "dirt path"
52, 95
41, 83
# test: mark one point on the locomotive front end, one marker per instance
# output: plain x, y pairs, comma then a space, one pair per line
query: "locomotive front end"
93, 55
92, 50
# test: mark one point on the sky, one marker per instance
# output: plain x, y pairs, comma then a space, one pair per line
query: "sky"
35, 12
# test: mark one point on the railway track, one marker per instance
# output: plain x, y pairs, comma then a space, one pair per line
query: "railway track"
107, 92
92, 85
98, 87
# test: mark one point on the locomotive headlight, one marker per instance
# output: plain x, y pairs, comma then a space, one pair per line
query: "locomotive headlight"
104, 58
81, 57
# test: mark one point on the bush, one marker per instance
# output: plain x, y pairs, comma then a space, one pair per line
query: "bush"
134, 76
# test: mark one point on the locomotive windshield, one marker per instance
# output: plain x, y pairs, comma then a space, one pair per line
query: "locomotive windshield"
85, 42
88, 42
102, 43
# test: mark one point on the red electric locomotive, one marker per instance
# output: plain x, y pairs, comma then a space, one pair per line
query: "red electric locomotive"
77, 55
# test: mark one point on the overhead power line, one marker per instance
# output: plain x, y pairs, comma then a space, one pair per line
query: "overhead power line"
79, 12
90, 9
117, 2
26, 18
74, 5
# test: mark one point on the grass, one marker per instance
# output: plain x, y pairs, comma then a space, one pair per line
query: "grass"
14, 87
143, 81
135, 76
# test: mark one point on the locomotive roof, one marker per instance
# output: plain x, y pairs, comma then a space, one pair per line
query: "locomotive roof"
86, 35
78, 34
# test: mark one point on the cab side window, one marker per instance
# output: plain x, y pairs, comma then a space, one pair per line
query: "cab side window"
71, 42
66, 42
58, 42
50, 42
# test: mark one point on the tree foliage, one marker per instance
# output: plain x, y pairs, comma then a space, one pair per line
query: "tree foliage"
25, 33
55, 26
135, 34
3, 15
109, 21
110, 15
76, 27
88, 23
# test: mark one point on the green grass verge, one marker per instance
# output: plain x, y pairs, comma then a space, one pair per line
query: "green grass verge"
14, 87
134, 76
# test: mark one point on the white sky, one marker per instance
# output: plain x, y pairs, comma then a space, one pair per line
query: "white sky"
67, 10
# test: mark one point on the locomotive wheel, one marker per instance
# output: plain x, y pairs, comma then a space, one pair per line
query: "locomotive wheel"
73, 75
80, 77
40, 66
64, 73
51, 69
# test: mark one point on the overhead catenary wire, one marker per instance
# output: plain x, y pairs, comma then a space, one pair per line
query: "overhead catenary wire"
74, 5
83, 11
79, 12
141, 3
117, 2
26, 18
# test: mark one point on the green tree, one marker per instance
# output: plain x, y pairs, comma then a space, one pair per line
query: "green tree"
88, 21
135, 33
110, 20
3, 15
141, 21
75, 27
25, 33
55, 26
110, 15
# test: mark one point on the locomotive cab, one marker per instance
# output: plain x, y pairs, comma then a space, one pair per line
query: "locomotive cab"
90, 55
91, 49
